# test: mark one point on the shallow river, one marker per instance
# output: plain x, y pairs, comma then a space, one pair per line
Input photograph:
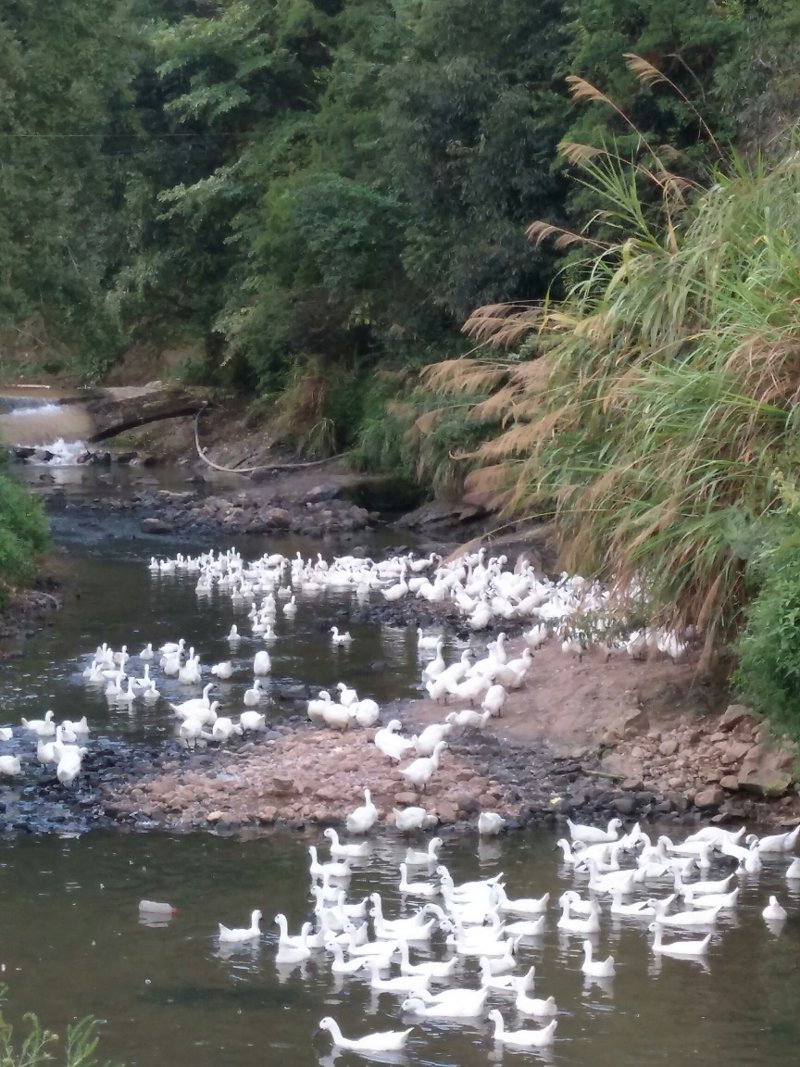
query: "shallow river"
71, 942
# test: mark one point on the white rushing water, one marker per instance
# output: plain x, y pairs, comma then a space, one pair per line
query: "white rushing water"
64, 453
36, 408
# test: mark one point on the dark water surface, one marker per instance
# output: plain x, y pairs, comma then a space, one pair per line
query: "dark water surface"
71, 942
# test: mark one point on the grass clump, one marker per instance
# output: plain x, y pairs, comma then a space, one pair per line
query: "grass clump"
39, 1045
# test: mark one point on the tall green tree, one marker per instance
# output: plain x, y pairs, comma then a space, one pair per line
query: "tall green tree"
65, 72
475, 110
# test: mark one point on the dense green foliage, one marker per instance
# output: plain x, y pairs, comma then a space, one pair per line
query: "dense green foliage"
314, 194
768, 675
310, 191
23, 533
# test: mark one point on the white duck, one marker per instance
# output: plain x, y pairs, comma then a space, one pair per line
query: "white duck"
596, 968
520, 905
433, 968
191, 707
522, 1038
459, 1004
774, 911
416, 889
366, 712
436, 666
426, 742
41, 727
69, 765
347, 696
467, 719
506, 983
402, 983
294, 953
386, 1041
252, 697
420, 771
262, 664
568, 923
339, 639
779, 842
10, 766
534, 1005
252, 720
329, 870
494, 699
224, 729
337, 716
285, 939
416, 858
413, 818
362, 819
390, 743
678, 948
342, 966
317, 705
593, 834
490, 823
343, 851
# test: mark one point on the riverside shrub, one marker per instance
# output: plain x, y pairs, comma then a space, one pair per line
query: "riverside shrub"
23, 533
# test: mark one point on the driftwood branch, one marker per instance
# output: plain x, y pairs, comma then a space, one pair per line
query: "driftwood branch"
249, 470
603, 774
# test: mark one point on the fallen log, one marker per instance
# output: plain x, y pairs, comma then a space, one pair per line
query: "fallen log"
117, 410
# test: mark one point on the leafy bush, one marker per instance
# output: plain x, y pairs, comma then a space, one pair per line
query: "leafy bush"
768, 675
23, 533
768, 672
39, 1044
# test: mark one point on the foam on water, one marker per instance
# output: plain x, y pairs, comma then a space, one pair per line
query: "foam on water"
64, 453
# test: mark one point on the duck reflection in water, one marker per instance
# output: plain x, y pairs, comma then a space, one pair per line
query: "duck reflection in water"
590, 982
656, 963
331, 1058
489, 851
499, 1054
238, 950
775, 926
285, 971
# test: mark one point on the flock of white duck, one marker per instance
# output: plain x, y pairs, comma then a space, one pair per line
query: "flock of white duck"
457, 925
480, 589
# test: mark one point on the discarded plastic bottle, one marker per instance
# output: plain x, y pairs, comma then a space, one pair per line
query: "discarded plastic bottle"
155, 908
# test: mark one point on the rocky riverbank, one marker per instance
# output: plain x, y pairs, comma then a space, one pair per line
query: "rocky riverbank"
531, 768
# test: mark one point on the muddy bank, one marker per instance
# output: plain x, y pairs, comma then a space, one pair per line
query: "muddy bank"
28, 610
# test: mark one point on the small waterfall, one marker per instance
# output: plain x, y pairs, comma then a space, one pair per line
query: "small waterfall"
44, 420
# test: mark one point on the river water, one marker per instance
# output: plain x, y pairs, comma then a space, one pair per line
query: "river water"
71, 942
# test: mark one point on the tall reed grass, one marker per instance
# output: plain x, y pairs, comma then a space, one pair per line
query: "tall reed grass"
651, 407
